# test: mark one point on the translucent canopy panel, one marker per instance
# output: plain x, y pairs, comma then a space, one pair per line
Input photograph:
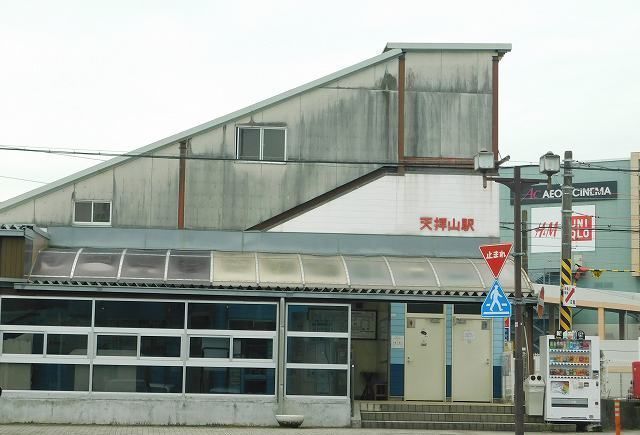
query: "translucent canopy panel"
213, 268
188, 267
323, 271
234, 267
279, 269
412, 272
368, 271
144, 265
93, 264
54, 263
456, 273
507, 277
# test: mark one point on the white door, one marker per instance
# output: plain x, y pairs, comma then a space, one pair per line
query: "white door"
471, 359
424, 374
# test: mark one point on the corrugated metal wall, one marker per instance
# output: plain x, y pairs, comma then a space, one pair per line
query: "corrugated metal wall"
448, 103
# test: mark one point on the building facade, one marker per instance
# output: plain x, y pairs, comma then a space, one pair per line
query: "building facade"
604, 240
313, 249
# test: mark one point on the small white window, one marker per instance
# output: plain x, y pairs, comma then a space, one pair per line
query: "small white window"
92, 213
262, 143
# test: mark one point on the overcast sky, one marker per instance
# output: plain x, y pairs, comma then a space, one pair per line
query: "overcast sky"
117, 75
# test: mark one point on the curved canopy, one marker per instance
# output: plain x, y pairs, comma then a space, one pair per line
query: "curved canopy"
269, 270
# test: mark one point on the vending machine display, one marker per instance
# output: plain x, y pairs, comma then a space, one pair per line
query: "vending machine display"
571, 371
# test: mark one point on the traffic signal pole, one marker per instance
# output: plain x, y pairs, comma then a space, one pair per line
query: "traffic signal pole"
565, 316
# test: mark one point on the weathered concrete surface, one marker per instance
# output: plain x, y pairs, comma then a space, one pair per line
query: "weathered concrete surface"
144, 411
320, 412
194, 411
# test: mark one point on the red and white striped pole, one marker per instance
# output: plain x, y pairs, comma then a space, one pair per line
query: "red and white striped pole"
616, 413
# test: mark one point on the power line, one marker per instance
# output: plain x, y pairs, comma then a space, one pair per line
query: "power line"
595, 167
73, 153
603, 228
84, 152
24, 179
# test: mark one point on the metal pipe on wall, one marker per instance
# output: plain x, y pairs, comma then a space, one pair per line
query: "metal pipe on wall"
401, 83
281, 338
494, 105
181, 183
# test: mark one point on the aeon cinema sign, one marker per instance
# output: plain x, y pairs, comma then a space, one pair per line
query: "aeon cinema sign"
593, 191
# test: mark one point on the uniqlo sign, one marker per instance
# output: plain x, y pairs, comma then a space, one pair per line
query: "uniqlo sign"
546, 229
496, 256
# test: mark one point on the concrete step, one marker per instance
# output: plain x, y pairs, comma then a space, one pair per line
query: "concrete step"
446, 425
445, 417
437, 407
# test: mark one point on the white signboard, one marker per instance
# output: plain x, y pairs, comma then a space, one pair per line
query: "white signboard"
397, 342
569, 295
546, 229
414, 204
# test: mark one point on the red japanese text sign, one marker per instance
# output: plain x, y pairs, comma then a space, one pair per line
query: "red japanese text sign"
495, 256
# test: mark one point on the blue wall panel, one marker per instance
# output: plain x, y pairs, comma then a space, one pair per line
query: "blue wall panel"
497, 382
396, 382
498, 341
448, 309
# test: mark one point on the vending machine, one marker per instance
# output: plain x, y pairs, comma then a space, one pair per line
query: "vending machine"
571, 371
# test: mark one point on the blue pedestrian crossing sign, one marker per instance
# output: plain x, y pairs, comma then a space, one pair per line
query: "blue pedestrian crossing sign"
496, 303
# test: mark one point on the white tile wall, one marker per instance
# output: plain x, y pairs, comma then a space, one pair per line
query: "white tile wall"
394, 205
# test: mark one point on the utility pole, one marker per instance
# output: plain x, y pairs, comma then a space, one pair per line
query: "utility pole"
565, 316
516, 187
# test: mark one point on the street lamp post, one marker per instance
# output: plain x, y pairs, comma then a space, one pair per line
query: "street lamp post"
484, 162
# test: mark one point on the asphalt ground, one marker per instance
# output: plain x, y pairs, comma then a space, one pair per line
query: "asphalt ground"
60, 429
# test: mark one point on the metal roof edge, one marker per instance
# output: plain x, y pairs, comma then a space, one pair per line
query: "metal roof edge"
39, 231
420, 46
387, 55
132, 291
22, 230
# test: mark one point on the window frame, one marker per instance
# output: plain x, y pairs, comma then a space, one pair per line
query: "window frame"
231, 362
139, 333
261, 128
313, 366
92, 223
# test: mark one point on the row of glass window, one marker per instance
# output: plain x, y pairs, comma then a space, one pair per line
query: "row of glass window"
169, 315
161, 379
33, 343
137, 314
317, 344
303, 350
